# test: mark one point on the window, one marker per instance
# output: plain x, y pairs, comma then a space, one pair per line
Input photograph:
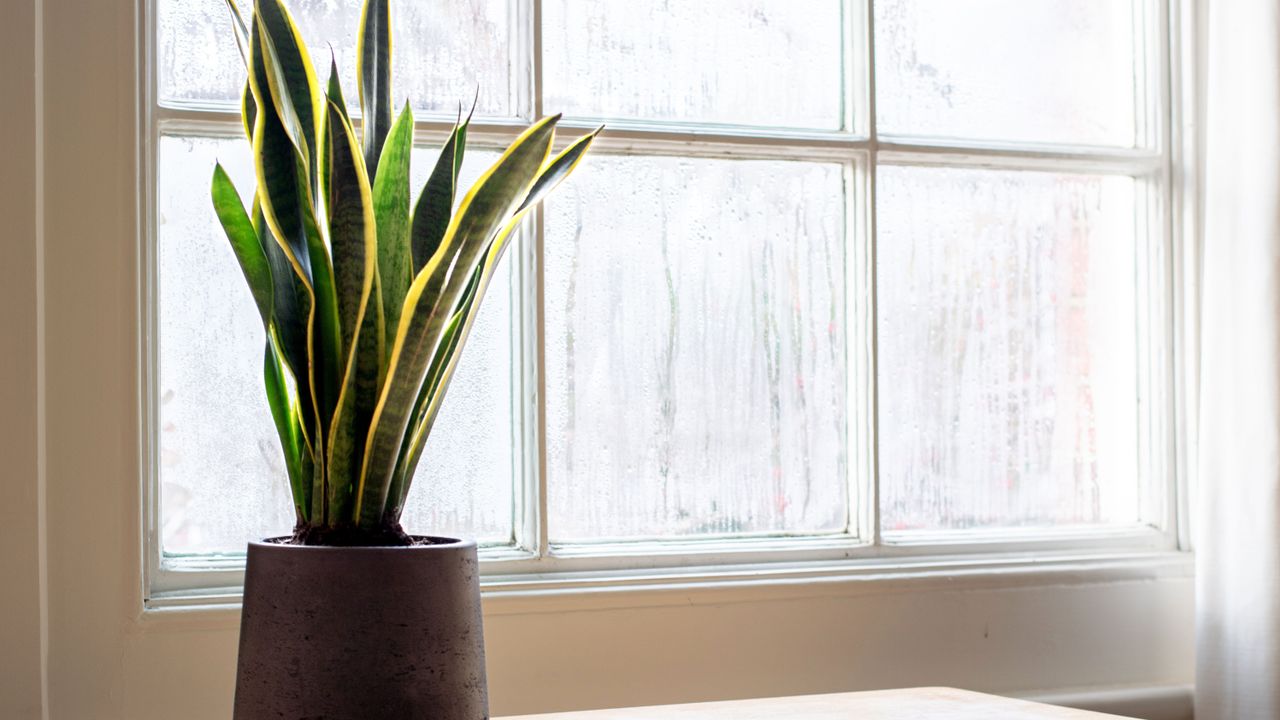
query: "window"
841, 279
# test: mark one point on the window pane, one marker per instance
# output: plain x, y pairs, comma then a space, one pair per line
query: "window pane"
695, 349
745, 62
1007, 349
221, 474
1058, 71
442, 51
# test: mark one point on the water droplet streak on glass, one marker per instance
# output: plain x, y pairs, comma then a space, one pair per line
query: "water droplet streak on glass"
1008, 350
443, 51
695, 349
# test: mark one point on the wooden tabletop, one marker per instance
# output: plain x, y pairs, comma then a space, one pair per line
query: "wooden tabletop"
906, 704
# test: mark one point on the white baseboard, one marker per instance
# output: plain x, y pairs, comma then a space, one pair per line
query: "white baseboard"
1148, 702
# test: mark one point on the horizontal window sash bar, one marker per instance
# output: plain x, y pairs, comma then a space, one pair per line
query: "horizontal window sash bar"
568, 590
707, 141
1082, 160
193, 575
986, 537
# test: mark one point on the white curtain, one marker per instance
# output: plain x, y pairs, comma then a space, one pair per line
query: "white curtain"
1238, 514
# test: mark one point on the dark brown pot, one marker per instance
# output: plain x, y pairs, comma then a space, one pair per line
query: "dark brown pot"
361, 633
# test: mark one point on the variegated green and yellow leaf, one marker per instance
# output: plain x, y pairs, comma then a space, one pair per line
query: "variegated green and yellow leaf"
281, 169
295, 88
334, 89
447, 352
290, 309
559, 168
287, 205
241, 31
354, 240
427, 406
432, 300
373, 73
248, 110
285, 415
435, 203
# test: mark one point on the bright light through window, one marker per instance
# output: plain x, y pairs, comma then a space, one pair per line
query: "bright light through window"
740, 319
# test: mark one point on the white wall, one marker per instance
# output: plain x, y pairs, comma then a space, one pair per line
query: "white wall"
1003, 635
20, 664
107, 659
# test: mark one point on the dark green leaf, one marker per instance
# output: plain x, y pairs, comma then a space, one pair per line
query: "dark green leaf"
291, 75
286, 421
435, 203
290, 309
335, 89
354, 241
373, 70
248, 110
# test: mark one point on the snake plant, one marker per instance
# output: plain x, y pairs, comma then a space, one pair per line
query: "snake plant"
365, 296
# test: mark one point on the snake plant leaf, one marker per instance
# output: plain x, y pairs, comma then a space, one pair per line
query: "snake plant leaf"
391, 208
373, 72
435, 203
244, 241
287, 204
247, 107
411, 451
334, 90
430, 399
327, 363
266, 82
281, 193
292, 77
559, 168
432, 300
333, 94
278, 163
286, 421
354, 239
241, 31
352, 231
248, 111
290, 308
443, 366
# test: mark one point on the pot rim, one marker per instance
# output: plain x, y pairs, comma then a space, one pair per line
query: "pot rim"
439, 542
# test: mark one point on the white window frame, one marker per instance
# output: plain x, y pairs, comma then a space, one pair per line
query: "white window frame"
1161, 166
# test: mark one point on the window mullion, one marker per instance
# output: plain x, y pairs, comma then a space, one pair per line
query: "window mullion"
871, 483
537, 281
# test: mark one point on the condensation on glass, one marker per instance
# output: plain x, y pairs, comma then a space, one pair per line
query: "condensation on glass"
443, 51
222, 478
739, 62
1053, 71
696, 349
1007, 349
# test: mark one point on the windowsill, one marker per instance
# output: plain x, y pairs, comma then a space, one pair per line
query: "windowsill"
568, 591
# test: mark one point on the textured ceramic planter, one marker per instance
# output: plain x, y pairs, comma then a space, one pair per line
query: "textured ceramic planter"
358, 633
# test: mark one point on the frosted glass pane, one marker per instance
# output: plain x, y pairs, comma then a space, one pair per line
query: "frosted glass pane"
745, 62
1007, 349
222, 480
442, 51
1018, 70
695, 349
